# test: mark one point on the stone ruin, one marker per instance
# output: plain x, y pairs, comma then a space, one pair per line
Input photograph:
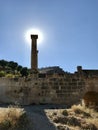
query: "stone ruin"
51, 85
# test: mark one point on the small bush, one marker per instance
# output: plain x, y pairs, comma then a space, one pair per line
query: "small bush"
13, 119
2, 74
85, 114
78, 111
22, 122
60, 127
89, 127
5, 125
10, 76
73, 121
65, 113
62, 120
54, 113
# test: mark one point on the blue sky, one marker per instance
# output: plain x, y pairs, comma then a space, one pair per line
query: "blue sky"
70, 29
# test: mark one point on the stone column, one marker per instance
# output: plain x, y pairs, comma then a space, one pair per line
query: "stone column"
34, 54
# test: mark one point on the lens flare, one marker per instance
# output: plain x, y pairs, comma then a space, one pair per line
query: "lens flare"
33, 31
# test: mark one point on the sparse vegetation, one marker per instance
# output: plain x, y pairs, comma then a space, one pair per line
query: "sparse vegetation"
11, 69
2, 74
24, 72
65, 113
13, 119
10, 75
76, 118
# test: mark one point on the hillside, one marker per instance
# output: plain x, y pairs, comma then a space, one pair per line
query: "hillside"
12, 69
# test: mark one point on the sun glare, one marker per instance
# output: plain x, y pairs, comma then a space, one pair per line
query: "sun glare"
33, 31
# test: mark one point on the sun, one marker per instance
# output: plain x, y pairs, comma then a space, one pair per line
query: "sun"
33, 31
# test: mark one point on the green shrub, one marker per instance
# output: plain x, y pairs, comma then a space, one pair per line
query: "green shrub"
10, 76
73, 121
65, 113
2, 74
24, 72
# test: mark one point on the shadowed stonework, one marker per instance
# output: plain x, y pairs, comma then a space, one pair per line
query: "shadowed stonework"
51, 85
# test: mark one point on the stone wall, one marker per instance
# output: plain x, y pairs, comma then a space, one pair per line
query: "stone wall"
55, 89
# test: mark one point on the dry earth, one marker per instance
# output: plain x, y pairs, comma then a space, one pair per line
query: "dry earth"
58, 118
51, 117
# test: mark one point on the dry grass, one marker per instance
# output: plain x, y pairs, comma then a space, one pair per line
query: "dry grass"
92, 121
75, 118
12, 118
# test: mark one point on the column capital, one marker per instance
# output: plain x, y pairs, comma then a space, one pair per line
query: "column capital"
34, 36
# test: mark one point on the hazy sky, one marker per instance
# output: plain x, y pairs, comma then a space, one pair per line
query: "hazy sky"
70, 29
